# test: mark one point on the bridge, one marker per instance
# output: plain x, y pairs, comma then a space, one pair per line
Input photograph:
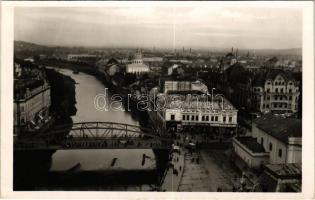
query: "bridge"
94, 135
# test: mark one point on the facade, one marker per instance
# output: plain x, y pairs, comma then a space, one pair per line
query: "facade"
31, 100
279, 138
81, 57
188, 108
276, 91
137, 66
31, 108
250, 151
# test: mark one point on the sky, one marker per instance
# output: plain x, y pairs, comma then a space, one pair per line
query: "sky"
165, 27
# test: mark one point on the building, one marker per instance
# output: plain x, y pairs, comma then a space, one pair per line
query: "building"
81, 58
182, 86
280, 136
183, 104
137, 66
276, 138
250, 151
276, 90
31, 100
281, 178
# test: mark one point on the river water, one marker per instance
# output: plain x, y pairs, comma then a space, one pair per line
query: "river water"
88, 169
87, 88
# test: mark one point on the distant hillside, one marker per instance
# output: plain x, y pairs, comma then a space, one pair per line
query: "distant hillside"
22, 48
25, 49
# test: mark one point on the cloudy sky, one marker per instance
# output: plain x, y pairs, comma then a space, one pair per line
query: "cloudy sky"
255, 28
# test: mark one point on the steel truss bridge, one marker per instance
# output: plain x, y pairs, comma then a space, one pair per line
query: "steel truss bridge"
94, 135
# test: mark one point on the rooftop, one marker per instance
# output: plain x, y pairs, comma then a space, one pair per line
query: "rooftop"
251, 143
260, 78
279, 127
289, 170
192, 102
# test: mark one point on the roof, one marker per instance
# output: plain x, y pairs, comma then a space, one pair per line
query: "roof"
289, 170
260, 78
251, 143
279, 127
112, 61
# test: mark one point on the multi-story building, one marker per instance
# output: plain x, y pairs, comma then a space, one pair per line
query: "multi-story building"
274, 139
190, 106
276, 90
81, 57
182, 86
31, 101
137, 66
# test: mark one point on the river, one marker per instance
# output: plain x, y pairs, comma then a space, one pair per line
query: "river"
87, 88
88, 169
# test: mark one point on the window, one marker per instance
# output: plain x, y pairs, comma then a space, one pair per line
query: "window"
281, 90
290, 97
268, 98
216, 118
193, 118
267, 106
230, 119
285, 105
184, 116
262, 141
207, 118
270, 146
172, 117
224, 118
187, 117
203, 118
276, 97
276, 89
290, 90
197, 118
268, 90
280, 97
276, 105
280, 153
280, 105
212, 118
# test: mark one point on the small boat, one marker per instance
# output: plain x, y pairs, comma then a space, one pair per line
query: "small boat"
113, 162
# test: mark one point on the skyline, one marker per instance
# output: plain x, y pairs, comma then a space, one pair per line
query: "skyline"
161, 27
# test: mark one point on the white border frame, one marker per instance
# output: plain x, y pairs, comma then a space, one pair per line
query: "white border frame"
7, 34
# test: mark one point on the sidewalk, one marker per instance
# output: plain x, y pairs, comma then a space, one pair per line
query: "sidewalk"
172, 180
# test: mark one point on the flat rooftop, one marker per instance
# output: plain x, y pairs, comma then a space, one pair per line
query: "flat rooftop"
194, 102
